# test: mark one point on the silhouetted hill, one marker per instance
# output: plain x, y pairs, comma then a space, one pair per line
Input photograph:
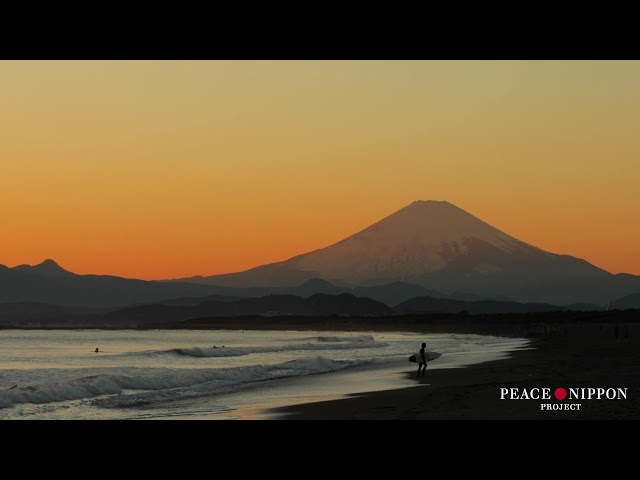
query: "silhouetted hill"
271, 305
316, 285
159, 315
192, 301
390, 294
628, 301
347, 304
422, 305
394, 293
48, 268
316, 305
49, 283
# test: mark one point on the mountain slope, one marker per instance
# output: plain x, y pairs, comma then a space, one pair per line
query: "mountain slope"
49, 283
48, 268
629, 301
441, 247
422, 305
271, 305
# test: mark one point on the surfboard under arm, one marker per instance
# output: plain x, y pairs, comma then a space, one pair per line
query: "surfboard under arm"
416, 358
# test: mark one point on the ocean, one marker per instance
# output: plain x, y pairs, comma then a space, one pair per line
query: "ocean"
210, 374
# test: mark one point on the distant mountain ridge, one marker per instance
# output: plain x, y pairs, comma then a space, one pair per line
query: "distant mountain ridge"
48, 268
628, 301
319, 304
422, 305
299, 301
390, 294
426, 249
167, 313
50, 283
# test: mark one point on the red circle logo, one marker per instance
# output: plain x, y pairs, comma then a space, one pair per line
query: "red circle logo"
560, 393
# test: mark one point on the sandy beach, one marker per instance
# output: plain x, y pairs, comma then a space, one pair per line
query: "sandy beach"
575, 357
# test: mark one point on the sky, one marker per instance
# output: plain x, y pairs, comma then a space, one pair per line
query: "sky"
169, 169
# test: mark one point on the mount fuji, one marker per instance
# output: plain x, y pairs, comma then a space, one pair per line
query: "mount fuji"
439, 246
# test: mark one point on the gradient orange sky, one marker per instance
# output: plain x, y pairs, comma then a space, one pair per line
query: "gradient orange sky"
168, 169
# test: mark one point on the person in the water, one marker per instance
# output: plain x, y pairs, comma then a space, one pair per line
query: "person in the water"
97, 351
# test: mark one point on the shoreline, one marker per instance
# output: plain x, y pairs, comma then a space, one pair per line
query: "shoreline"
600, 350
501, 324
341, 384
577, 357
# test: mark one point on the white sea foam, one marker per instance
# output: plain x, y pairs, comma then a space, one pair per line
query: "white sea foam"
135, 387
239, 351
56, 374
359, 338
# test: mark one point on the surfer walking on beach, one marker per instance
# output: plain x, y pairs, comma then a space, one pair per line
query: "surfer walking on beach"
422, 361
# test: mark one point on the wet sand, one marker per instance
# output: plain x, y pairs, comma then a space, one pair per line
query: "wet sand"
570, 356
